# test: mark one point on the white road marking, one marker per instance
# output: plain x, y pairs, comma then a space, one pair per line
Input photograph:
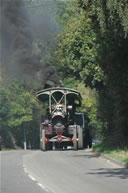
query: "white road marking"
25, 170
43, 187
32, 177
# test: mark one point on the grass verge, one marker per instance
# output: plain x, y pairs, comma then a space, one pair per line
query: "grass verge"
9, 149
120, 154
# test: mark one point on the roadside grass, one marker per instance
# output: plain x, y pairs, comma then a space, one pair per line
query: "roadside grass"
9, 149
120, 154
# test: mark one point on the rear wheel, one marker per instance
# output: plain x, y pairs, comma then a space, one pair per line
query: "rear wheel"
80, 138
41, 137
75, 138
43, 145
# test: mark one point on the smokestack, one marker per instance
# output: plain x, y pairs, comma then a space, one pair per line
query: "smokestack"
18, 58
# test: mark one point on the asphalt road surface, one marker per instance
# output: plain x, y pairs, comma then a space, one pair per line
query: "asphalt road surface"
60, 172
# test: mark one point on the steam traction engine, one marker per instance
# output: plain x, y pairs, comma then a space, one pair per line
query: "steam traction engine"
59, 127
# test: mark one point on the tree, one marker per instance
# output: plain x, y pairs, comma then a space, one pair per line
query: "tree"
92, 48
75, 52
4, 113
110, 21
20, 111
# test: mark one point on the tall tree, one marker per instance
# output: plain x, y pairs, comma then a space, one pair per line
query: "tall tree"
110, 21
76, 51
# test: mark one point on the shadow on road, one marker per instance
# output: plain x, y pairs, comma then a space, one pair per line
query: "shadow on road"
83, 155
90, 154
121, 173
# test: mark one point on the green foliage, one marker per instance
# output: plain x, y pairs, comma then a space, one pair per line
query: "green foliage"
20, 109
66, 10
4, 112
90, 107
117, 153
75, 52
114, 12
110, 22
70, 82
5, 106
21, 105
92, 48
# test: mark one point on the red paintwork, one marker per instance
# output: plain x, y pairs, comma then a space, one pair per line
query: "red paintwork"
46, 140
57, 115
72, 139
48, 129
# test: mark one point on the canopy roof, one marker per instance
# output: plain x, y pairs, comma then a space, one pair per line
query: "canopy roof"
70, 94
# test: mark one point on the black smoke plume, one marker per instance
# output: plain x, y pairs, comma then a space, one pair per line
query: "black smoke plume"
18, 58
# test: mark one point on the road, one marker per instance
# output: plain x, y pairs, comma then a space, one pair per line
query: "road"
13, 178
60, 172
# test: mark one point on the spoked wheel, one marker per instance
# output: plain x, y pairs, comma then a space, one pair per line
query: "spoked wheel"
43, 145
80, 137
75, 146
